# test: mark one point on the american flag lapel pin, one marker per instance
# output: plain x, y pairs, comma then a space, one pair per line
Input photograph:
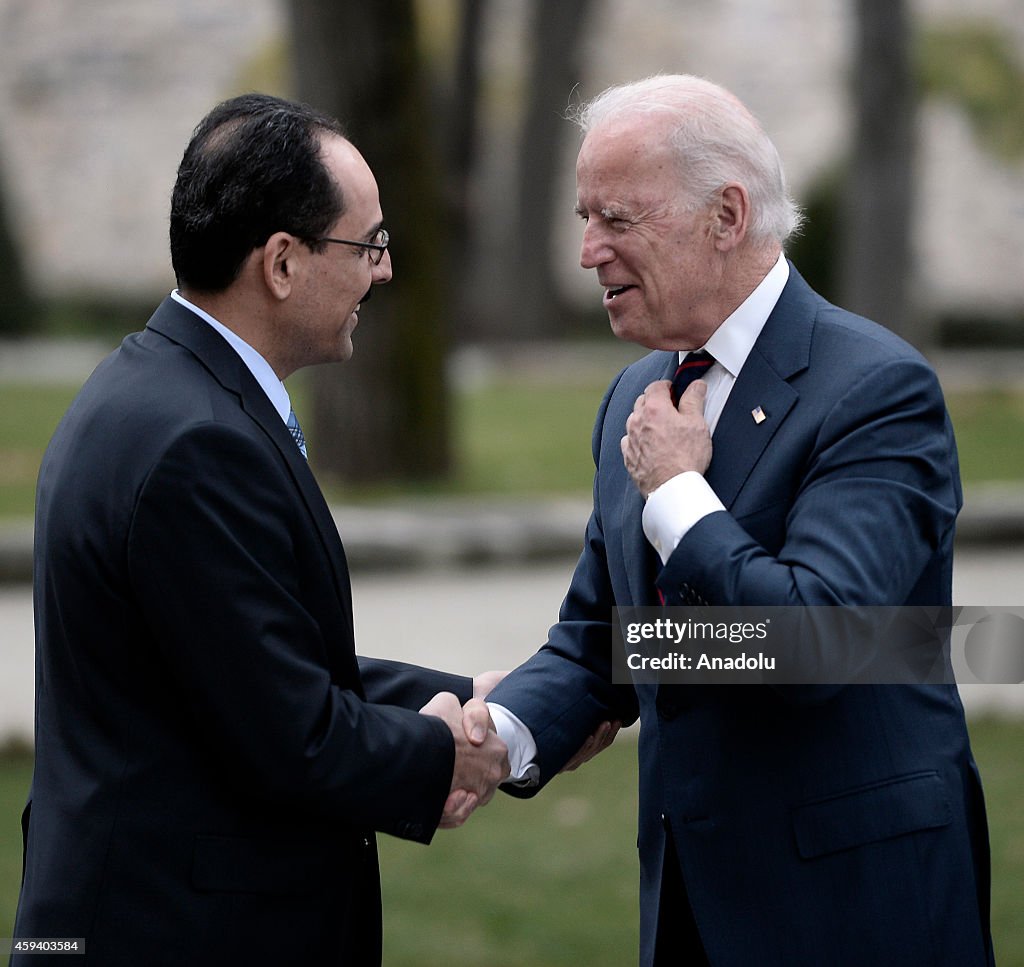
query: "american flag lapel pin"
758, 414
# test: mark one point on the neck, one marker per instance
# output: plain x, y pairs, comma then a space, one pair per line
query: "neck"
747, 274
740, 277
246, 318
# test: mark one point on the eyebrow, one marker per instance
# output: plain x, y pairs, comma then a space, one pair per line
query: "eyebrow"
609, 213
373, 231
616, 214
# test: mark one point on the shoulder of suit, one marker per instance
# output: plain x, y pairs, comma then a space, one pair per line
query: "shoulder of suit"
864, 339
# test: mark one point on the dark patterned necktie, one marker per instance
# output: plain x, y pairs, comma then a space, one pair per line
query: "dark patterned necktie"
693, 367
296, 431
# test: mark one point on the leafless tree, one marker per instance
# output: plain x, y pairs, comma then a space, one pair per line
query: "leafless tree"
876, 268
556, 49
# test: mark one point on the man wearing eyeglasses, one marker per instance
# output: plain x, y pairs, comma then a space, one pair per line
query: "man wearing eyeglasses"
212, 760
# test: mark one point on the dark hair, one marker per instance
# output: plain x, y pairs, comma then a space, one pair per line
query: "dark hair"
252, 168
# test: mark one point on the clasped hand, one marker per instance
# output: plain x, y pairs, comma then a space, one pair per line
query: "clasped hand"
481, 758
662, 441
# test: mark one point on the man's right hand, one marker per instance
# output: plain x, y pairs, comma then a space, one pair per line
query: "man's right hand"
481, 758
662, 441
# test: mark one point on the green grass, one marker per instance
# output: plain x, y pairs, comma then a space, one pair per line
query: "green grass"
997, 747
541, 883
15, 775
29, 414
526, 438
553, 881
989, 435
512, 437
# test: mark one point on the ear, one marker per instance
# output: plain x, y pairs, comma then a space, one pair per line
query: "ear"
280, 264
732, 217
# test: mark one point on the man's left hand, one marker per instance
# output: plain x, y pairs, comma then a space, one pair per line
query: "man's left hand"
595, 744
485, 682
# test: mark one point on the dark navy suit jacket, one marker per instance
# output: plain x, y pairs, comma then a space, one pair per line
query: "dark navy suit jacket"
211, 760
813, 826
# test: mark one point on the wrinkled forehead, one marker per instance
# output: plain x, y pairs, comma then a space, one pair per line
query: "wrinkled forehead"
627, 150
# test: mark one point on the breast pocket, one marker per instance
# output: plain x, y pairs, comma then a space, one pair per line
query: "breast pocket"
870, 814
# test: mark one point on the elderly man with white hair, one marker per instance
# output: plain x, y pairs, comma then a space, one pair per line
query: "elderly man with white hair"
811, 464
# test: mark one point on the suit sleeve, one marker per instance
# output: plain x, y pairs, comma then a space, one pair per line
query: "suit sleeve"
879, 495
212, 553
396, 683
564, 691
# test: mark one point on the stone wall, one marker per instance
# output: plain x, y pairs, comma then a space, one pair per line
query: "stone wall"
97, 101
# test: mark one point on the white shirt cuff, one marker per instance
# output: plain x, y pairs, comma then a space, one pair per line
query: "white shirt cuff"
521, 747
674, 508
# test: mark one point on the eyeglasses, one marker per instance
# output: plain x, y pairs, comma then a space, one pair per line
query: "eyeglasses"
374, 248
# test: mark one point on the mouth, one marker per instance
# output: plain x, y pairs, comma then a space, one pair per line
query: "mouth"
613, 292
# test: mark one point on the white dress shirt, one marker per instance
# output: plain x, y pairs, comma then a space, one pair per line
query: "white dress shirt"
674, 507
679, 503
261, 370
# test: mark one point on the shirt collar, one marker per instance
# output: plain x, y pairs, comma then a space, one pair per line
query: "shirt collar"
732, 341
261, 370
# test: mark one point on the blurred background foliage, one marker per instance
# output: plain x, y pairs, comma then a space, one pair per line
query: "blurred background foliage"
425, 96
975, 66
460, 104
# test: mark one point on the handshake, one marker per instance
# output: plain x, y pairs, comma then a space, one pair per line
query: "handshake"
481, 757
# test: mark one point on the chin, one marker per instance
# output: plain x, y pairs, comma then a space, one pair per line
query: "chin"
345, 349
621, 329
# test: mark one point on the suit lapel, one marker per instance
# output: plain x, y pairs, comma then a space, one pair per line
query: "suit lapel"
781, 351
259, 407
739, 438
181, 325
641, 560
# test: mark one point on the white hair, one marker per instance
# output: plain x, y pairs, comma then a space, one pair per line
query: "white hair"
717, 141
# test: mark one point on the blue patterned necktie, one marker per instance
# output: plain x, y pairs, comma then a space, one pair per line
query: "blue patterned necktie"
693, 367
296, 431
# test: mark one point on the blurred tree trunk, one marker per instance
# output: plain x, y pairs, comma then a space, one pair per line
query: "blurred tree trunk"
461, 110
18, 306
461, 107
876, 271
557, 50
384, 414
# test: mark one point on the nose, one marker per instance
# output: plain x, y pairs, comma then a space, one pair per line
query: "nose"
594, 250
382, 271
